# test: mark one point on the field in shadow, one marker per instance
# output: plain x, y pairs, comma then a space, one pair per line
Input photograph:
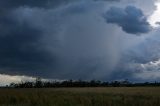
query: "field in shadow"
100, 96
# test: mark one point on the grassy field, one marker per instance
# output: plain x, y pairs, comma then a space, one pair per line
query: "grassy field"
123, 96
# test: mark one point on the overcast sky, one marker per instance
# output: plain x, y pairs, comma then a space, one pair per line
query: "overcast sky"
80, 39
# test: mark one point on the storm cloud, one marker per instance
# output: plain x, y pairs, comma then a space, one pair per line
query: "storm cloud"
47, 42
75, 39
131, 19
10, 4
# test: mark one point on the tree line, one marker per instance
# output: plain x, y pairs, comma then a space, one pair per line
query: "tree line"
38, 83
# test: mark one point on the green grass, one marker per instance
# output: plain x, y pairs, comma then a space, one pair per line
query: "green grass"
123, 96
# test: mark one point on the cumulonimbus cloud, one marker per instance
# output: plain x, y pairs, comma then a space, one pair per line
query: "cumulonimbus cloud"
68, 41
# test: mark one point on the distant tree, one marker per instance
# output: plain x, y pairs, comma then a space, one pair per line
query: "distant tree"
38, 83
12, 85
115, 84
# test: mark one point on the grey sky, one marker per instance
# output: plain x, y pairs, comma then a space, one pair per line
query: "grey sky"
78, 39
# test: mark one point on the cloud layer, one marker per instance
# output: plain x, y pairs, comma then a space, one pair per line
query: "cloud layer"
68, 39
